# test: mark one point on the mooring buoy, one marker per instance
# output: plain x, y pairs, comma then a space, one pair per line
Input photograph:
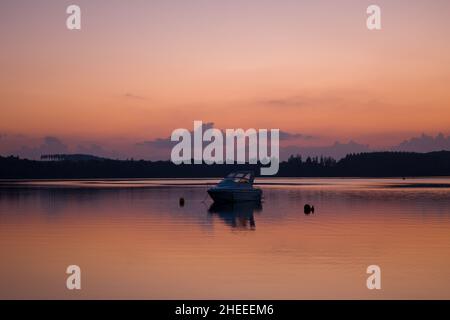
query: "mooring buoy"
307, 209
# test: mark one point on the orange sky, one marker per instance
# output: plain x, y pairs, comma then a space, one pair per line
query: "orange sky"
138, 70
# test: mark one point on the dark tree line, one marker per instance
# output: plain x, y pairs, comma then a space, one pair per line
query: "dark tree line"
374, 164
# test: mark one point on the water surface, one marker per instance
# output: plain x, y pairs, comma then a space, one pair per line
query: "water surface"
132, 239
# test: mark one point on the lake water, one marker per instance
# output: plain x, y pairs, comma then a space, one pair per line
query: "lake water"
132, 239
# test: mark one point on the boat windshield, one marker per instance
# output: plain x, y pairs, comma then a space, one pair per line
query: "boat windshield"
240, 177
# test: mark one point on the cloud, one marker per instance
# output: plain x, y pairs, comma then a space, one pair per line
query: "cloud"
49, 145
424, 143
284, 135
286, 102
331, 98
305, 100
133, 96
166, 143
160, 148
52, 145
160, 143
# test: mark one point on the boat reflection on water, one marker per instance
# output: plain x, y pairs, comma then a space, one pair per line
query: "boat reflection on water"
238, 215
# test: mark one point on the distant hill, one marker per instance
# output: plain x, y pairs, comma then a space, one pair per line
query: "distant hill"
370, 164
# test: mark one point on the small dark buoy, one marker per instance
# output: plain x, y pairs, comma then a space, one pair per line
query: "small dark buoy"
307, 209
181, 202
312, 209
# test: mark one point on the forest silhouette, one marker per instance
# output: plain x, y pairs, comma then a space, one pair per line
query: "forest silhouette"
372, 164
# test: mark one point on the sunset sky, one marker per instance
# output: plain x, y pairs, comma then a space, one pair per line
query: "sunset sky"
139, 69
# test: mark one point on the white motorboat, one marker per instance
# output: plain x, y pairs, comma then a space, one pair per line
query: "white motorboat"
237, 186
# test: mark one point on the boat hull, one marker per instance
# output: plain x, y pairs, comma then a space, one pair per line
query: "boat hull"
233, 195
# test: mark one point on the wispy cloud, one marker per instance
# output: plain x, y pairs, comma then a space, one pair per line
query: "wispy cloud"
284, 102
323, 98
134, 96
164, 143
284, 135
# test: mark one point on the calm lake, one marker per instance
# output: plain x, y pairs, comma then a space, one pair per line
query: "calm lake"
132, 239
